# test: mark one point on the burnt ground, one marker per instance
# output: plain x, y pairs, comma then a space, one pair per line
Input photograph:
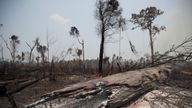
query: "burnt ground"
35, 91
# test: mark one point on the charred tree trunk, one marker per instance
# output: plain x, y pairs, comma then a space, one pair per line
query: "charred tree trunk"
151, 45
101, 51
83, 55
51, 74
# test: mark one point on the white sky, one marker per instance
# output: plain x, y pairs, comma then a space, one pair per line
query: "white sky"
29, 19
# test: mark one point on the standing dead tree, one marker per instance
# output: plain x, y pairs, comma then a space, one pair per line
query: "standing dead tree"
13, 45
51, 70
41, 49
48, 45
145, 20
2, 56
122, 27
108, 13
32, 48
75, 33
50, 42
79, 53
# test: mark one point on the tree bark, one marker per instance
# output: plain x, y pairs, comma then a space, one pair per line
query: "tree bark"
83, 55
101, 52
151, 45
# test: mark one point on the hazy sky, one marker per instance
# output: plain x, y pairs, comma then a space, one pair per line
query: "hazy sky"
29, 19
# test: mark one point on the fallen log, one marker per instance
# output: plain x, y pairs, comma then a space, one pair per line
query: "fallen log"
114, 91
9, 88
165, 97
12, 82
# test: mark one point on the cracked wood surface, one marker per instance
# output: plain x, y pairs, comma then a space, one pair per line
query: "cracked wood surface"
165, 97
111, 91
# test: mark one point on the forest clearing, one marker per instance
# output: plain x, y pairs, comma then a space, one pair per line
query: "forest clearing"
95, 54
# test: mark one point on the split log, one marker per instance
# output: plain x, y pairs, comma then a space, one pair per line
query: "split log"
165, 97
113, 91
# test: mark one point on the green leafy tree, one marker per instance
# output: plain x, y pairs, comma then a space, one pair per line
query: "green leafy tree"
145, 21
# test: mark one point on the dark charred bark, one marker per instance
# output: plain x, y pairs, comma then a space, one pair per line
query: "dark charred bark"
151, 45
101, 51
12, 101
